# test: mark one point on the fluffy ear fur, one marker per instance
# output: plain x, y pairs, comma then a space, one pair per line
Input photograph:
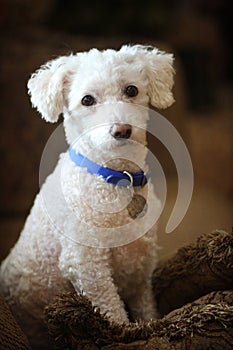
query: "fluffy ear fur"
160, 74
160, 71
46, 87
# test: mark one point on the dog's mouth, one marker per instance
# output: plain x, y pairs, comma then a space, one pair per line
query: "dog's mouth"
121, 143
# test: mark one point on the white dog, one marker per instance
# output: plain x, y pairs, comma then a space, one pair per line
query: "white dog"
86, 230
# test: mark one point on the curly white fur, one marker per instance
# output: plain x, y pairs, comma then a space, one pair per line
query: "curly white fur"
47, 259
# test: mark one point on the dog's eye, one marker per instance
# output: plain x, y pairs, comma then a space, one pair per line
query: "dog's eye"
88, 100
131, 91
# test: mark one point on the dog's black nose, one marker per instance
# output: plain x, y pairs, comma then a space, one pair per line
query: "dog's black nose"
121, 131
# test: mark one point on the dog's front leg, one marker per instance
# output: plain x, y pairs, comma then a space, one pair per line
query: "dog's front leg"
88, 270
142, 304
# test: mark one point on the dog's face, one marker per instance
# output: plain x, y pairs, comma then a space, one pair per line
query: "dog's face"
104, 95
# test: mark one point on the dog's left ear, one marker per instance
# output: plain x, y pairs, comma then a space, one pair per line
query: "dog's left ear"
160, 74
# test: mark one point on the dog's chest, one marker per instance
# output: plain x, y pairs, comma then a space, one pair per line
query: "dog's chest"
98, 203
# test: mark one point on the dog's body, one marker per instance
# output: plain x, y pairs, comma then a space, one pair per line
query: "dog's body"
74, 238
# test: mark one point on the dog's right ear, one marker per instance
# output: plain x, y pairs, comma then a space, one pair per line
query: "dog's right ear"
46, 88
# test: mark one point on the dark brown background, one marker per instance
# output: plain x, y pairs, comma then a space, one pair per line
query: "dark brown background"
199, 34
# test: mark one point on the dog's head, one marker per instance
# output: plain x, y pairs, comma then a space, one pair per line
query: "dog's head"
104, 94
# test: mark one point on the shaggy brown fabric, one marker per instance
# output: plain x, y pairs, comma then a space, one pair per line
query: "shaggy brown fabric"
11, 335
194, 271
205, 323
75, 324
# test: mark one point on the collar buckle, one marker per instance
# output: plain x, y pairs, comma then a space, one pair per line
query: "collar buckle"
144, 180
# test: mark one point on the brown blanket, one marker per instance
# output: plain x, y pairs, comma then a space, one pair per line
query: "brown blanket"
197, 284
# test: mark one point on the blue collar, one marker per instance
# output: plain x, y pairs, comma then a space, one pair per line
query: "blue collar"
120, 178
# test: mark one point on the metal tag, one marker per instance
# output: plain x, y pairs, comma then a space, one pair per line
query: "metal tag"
137, 207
